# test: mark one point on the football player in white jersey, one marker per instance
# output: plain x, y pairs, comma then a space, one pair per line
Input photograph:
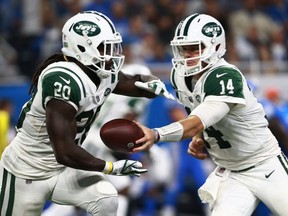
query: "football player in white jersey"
226, 117
45, 161
116, 106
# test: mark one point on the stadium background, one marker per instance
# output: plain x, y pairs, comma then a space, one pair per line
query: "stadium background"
30, 31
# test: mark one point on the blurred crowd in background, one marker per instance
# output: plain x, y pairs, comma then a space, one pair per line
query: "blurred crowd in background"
30, 30
257, 42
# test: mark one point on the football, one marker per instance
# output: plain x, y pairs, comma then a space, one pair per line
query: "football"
120, 135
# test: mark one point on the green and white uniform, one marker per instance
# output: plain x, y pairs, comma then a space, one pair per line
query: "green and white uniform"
67, 82
243, 133
240, 141
30, 155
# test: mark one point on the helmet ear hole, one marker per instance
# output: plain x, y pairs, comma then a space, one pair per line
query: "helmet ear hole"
81, 48
217, 47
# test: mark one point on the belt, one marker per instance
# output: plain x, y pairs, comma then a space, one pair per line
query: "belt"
243, 170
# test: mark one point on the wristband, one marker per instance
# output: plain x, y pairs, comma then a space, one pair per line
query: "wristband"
170, 133
108, 167
157, 136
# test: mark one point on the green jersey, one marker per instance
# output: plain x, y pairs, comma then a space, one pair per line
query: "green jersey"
241, 139
31, 149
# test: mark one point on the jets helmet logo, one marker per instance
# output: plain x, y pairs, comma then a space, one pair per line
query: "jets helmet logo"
211, 28
91, 28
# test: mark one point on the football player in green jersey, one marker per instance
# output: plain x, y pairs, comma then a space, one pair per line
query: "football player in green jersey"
45, 161
226, 117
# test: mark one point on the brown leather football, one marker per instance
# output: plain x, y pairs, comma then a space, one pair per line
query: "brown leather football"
120, 135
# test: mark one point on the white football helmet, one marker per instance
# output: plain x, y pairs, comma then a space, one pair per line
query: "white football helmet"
204, 32
91, 38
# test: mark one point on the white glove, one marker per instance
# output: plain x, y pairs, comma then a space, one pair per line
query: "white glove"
155, 86
124, 167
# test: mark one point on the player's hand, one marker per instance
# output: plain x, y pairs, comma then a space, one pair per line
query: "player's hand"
147, 140
124, 167
196, 148
155, 86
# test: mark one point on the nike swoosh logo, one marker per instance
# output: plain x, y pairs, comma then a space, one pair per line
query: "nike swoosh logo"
267, 176
220, 75
65, 80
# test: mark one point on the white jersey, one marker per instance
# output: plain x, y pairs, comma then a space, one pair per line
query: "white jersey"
242, 138
30, 154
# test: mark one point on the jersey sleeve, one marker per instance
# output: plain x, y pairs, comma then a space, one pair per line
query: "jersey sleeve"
62, 86
225, 84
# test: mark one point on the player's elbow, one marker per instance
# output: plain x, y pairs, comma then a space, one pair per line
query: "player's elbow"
62, 158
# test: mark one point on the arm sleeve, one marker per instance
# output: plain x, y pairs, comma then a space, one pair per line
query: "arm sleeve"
210, 112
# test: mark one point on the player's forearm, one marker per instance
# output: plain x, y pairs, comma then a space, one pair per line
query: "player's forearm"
180, 130
78, 158
126, 86
193, 126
